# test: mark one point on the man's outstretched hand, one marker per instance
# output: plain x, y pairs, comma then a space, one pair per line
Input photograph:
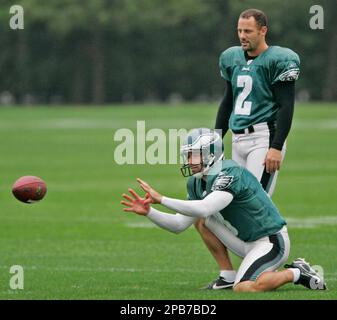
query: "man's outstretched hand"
154, 195
137, 204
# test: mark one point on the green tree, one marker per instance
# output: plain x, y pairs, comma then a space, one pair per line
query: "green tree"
99, 51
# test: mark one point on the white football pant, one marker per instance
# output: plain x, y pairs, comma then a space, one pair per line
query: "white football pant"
250, 149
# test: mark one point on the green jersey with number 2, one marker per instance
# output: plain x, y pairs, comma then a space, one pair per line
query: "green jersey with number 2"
252, 82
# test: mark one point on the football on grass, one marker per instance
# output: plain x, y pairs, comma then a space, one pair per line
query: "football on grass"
29, 189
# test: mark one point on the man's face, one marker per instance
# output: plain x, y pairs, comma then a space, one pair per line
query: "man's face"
250, 34
194, 160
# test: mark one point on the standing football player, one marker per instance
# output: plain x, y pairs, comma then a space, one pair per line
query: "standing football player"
237, 210
258, 108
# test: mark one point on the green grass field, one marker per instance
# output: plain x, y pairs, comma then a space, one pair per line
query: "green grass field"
78, 243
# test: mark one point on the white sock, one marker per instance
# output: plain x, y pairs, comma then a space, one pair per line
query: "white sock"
229, 275
296, 272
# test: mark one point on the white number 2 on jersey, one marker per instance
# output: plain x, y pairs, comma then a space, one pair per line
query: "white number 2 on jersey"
241, 106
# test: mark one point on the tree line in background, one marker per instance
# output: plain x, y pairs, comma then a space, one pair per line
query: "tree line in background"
105, 51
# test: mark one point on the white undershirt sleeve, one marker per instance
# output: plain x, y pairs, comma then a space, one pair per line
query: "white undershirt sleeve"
172, 222
211, 204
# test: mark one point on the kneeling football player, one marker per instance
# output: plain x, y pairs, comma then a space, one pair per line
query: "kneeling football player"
237, 211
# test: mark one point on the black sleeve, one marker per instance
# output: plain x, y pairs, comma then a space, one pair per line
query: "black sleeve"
284, 93
225, 110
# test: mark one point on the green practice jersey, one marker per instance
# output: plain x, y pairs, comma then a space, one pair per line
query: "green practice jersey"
252, 81
251, 215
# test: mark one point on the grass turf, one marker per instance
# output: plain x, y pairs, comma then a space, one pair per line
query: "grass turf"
78, 244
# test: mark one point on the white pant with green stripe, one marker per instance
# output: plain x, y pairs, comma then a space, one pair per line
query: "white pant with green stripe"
264, 254
250, 149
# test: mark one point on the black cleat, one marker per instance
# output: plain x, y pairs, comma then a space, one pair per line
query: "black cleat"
219, 284
308, 276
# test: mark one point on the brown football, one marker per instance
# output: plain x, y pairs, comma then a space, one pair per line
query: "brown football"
29, 189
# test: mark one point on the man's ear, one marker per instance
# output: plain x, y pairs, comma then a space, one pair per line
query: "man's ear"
264, 30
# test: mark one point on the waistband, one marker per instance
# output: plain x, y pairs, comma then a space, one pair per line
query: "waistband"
256, 127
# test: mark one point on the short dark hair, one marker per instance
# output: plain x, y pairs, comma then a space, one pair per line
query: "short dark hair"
259, 16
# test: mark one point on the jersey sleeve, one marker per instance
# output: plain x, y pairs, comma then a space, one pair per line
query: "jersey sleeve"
286, 66
225, 63
229, 181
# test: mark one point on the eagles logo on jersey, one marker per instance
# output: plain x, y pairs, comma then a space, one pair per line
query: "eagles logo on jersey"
222, 182
290, 75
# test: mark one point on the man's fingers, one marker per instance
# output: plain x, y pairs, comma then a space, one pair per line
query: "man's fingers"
128, 204
272, 165
273, 160
127, 197
147, 201
128, 210
267, 165
141, 181
143, 184
135, 195
144, 188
